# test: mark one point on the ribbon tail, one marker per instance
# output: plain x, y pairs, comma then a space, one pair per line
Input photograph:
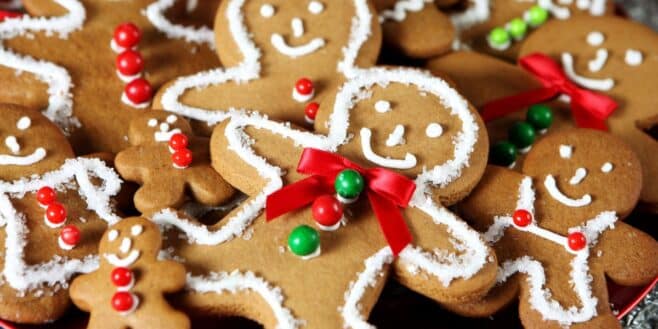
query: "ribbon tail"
584, 119
391, 223
501, 107
295, 196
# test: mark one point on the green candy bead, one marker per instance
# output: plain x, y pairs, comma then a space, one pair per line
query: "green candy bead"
349, 184
522, 134
499, 38
517, 28
536, 16
502, 154
540, 116
303, 240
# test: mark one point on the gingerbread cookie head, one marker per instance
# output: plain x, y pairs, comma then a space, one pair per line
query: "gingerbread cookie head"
31, 144
558, 230
598, 56
128, 288
170, 163
578, 183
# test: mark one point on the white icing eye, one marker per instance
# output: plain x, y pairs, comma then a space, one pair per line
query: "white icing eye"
164, 127
633, 57
315, 7
566, 151
136, 230
152, 123
595, 38
382, 106
267, 10
434, 130
113, 235
23, 123
607, 167
172, 119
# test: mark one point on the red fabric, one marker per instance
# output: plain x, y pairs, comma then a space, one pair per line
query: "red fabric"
590, 109
386, 190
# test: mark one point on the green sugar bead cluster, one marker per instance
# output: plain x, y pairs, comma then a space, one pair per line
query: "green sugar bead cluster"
500, 38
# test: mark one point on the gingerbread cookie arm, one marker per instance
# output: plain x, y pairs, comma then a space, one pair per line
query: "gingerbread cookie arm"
175, 274
82, 292
208, 187
497, 298
639, 254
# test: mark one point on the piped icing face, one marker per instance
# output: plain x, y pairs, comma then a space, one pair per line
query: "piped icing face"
615, 57
578, 180
156, 127
30, 144
129, 240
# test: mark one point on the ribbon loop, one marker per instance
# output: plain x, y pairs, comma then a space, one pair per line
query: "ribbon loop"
387, 191
590, 109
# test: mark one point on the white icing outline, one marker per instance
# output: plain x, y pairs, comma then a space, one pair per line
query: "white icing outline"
557, 195
590, 83
598, 62
249, 69
117, 261
155, 13
400, 9
26, 160
60, 98
578, 177
408, 162
21, 276
540, 297
235, 281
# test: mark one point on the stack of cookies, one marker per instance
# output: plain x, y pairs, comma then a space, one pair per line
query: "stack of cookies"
166, 161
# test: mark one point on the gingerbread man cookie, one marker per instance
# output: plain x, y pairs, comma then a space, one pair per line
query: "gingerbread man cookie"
428, 147
558, 231
127, 290
167, 160
82, 75
53, 210
282, 59
417, 28
498, 27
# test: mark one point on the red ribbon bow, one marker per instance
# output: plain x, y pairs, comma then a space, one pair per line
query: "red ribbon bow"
386, 190
590, 109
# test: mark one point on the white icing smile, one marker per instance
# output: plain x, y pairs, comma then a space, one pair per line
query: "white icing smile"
122, 262
556, 194
293, 52
408, 162
36, 156
589, 83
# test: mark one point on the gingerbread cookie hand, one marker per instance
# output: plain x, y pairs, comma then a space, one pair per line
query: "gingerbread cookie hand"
170, 163
580, 185
127, 290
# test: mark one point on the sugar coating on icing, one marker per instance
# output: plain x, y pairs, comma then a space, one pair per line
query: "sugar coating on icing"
155, 13
58, 270
595, 38
249, 68
540, 297
236, 281
589, 83
399, 11
633, 57
566, 151
60, 98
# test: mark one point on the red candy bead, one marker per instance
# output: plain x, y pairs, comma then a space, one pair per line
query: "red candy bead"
576, 241
127, 35
70, 235
139, 91
56, 213
4, 14
122, 301
178, 142
311, 110
327, 211
46, 195
121, 277
130, 63
182, 158
522, 218
304, 86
